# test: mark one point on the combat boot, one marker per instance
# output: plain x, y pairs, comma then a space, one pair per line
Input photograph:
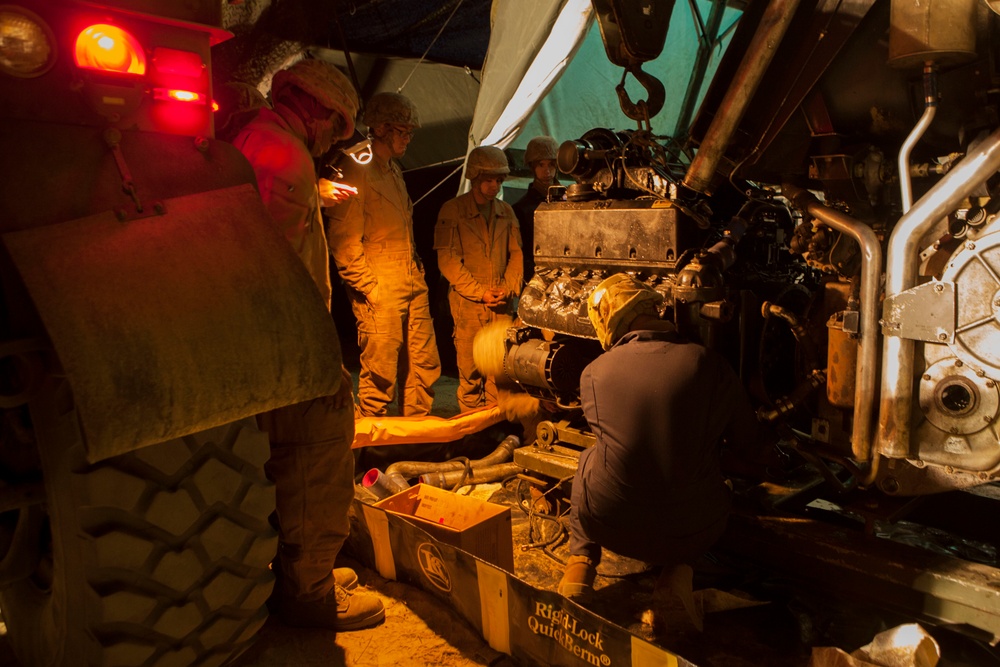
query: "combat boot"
678, 581
340, 610
578, 577
346, 578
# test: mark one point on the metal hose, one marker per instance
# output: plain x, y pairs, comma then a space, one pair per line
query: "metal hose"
455, 479
412, 469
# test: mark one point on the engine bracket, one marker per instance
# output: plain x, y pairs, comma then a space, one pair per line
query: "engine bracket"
925, 312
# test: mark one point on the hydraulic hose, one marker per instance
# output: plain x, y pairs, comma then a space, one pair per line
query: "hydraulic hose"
815, 376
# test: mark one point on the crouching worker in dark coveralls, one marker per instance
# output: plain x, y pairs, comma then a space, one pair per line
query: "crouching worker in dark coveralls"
652, 488
311, 462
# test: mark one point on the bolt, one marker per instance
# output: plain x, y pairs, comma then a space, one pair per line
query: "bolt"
959, 363
990, 384
121, 214
970, 246
938, 287
950, 470
927, 376
112, 136
159, 208
942, 336
201, 143
983, 476
890, 485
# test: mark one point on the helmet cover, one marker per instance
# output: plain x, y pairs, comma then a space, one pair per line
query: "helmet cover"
326, 83
486, 161
391, 108
616, 302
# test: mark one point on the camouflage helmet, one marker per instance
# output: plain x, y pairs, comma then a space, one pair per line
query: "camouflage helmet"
326, 83
486, 161
540, 148
616, 302
390, 108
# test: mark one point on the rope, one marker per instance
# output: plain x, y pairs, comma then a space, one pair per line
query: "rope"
441, 182
430, 46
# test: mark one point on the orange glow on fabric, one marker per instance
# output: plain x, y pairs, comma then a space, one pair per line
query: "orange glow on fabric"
378, 431
108, 48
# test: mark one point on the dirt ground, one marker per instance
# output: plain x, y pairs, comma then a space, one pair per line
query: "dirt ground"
418, 630
421, 630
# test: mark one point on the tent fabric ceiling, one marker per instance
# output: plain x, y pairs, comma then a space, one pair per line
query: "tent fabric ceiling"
523, 93
268, 32
444, 95
409, 27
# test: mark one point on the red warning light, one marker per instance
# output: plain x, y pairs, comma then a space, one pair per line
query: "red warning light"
110, 49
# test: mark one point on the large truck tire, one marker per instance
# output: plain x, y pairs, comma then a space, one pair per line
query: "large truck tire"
156, 557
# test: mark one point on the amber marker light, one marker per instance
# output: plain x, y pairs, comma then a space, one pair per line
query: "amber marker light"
176, 95
108, 48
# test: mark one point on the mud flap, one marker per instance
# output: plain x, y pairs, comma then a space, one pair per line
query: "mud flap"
178, 322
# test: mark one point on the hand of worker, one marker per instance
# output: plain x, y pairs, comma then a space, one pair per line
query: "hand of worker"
332, 193
493, 297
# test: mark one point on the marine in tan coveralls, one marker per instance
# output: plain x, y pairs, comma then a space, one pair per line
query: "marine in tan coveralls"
540, 156
371, 239
311, 462
478, 242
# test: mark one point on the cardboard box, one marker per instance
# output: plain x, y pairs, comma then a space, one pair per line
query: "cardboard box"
482, 528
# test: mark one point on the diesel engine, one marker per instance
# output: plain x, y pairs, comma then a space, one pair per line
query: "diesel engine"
828, 223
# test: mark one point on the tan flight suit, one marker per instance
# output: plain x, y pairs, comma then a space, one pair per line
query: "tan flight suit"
311, 462
474, 256
371, 239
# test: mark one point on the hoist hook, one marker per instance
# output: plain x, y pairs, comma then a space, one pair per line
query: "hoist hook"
642, 110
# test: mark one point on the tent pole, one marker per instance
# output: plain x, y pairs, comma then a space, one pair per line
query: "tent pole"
709, 35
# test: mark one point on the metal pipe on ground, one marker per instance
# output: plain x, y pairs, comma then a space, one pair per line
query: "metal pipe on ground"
412, 469
455, 479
